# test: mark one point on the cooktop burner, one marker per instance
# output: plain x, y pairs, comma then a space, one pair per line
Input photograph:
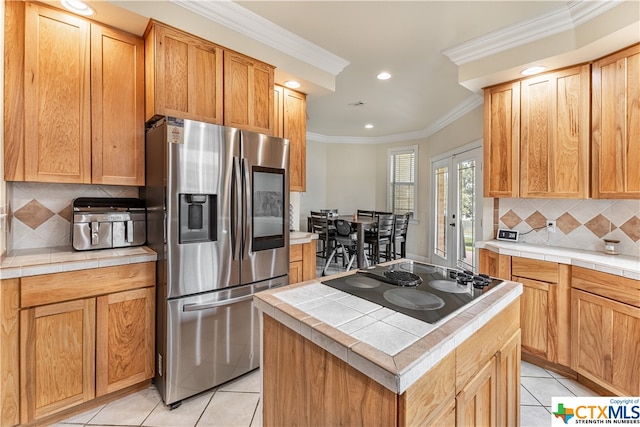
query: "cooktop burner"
423, 291
413, 299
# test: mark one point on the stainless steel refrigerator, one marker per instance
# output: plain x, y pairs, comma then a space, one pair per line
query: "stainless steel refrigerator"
218, 217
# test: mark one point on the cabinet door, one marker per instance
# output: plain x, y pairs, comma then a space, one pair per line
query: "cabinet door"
535, 316
494, 264
57, 357
248, 93
554, 134
501, 140
476, 402
616, 125
508, 360
295, 130
117, 103
295, 272
57, 135
278, 111
183, 76
604, 342
125, 339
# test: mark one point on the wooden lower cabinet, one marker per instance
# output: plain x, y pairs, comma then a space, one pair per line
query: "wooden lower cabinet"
72, 350
605, 336
302, 262
125, 345
57, 348
476, 384
476, 403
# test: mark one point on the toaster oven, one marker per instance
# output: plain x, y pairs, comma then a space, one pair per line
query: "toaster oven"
101, 223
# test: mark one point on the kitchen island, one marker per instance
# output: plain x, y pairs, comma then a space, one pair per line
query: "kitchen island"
330, 358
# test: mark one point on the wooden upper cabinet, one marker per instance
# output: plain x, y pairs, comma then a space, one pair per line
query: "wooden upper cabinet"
295, 130
183, 75
290, 120
554, 134
501, 140
248, 93
57, 132
616, 125
117, 103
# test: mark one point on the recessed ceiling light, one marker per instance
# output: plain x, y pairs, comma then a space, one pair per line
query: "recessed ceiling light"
533, 70
384, 76
292, 84
77, 6
368, 126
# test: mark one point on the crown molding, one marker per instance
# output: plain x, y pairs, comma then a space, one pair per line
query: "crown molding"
562, 19
459, 111
252, 25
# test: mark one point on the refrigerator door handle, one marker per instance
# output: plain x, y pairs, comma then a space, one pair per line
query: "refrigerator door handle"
248, 226
207, 306
236, 214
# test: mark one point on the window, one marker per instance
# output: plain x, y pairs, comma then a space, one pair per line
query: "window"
401, 195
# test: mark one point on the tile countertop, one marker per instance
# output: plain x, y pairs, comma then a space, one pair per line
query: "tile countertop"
620, 265
32, 262
301, 237
390, 347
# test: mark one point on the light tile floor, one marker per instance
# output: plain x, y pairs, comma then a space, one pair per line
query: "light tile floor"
237, 404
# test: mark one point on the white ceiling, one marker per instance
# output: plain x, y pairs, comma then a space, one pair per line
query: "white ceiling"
405, 38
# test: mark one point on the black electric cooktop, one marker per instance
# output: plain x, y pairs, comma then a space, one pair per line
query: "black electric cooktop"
423, 291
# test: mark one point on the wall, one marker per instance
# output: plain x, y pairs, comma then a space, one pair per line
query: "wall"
580, 224
41, 213
316, 195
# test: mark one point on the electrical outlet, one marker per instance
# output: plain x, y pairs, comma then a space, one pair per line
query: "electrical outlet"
551, 226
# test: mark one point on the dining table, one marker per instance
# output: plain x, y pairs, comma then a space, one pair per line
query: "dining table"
362, 224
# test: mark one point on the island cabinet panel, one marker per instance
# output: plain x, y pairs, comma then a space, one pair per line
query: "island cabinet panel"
554, 134
501, 140
476, 402
431, 398
184, 75
305, 385
248, 93
57, 354
117, 107
57, 132
605, 331
615, 125
508, 382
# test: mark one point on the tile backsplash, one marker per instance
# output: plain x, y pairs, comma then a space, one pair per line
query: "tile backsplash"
580, 224
40, 214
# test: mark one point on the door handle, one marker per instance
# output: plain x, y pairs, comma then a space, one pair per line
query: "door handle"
207, 306
452, 224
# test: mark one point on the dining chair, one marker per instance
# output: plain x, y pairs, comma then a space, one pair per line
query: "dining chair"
400, 227
381, 237
319, 224
346, 242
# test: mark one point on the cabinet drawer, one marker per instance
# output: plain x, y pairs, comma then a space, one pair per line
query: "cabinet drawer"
544, 271
295, 253
611, 286
58, 287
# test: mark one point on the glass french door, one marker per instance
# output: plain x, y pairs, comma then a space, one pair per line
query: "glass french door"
457, 192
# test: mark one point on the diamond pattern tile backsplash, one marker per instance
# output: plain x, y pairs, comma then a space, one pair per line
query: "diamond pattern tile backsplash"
41, 213
580, 224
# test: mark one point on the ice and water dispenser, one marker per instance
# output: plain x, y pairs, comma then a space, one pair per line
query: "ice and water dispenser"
198, 218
